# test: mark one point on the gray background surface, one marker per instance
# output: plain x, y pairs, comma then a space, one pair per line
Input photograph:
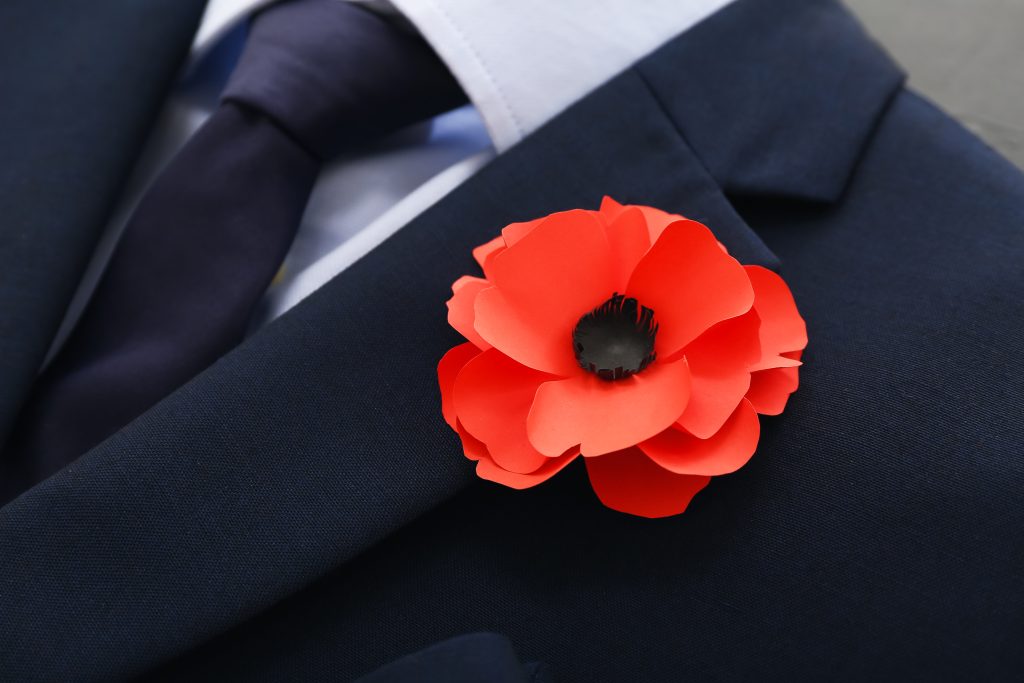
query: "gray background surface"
965, 55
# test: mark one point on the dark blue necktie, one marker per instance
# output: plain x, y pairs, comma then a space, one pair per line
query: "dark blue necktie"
316, 77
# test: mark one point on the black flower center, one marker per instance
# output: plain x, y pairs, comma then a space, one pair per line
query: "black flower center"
616, 339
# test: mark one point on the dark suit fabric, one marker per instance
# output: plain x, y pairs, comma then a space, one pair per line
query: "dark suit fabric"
81, 84
464, 659
300, 512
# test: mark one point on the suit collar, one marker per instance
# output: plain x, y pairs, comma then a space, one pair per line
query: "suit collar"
777, 97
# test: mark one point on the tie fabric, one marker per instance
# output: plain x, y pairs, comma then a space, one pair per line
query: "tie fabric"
316, 77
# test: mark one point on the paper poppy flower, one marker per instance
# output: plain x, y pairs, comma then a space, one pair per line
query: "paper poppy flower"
627, 336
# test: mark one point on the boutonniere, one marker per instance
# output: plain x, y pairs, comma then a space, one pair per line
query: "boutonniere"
627, 336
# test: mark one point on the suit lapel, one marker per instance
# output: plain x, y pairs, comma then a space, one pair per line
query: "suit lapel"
82, 83
322, 434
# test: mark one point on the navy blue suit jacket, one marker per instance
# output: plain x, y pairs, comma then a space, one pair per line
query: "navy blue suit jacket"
299, 511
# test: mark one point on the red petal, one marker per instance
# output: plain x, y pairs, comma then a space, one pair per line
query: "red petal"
656, 219
628, 239
543, 283
728, 345
460, 308
474, 448
493, 395
782, 328
629, 481
510, 234
486, 469
690, 283
725, 452
770, 389
602, 416
523, 338
484, 252
712, 400
719, 360
447, 370
610, 208
769, 361
513, 232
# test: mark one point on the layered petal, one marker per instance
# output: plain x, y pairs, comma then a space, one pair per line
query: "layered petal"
713, 399
472, 447
726, 451
656, 219
610, 208
601, 416
520, 336
461, 308
630, 482
770, 389
551, 276
513, 232
719, 360
690, 283
493, 395
487, 469
485, 251
629, 241
510, 234
782, 328
448, 369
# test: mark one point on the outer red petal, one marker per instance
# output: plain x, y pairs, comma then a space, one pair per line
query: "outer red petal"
770, 389
601, 416
713, 399
486, 469
782, 328
513, 232
553, 275
448, 369
610, 208
726, 451
690, 283
474, 448
656, 219
493, 395
510, 234
522, 337
629, 241
461, 308
719, 360
629, 481
485, 252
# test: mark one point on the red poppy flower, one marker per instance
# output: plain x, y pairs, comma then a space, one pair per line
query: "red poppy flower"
626, 335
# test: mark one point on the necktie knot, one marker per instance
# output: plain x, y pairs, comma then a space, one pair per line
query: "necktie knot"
333, 74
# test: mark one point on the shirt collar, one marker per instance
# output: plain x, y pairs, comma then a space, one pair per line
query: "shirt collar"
218, 19
523, 62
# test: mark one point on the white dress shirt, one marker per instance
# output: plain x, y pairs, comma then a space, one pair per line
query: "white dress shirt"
520, 62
